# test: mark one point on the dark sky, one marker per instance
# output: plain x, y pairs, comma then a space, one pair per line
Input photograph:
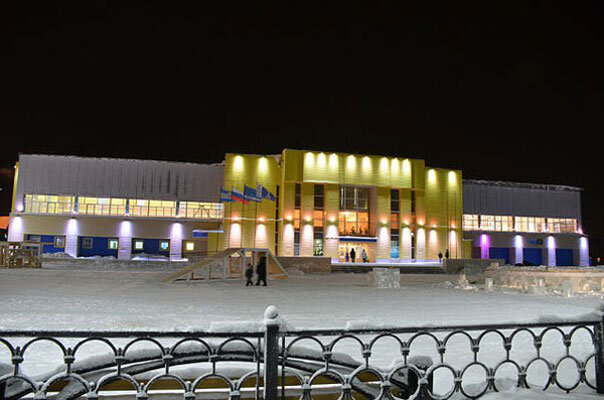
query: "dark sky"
510, 91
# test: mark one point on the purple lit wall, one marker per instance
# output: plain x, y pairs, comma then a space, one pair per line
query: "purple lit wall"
71, 237
551, 251
176, 241
583, 252
485, 243
125, 241
518, 249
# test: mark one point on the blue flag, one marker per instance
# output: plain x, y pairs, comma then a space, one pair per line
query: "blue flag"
225, 196
251, 194
267, 195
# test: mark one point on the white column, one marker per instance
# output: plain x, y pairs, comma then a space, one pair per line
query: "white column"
550, 252
176, 241
583, 252
71, 237
125, 241
518, 249
15, 229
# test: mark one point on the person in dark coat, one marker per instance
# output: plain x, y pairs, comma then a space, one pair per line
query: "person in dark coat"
249, 274
440, 257
447, 254
261, 271
353, 254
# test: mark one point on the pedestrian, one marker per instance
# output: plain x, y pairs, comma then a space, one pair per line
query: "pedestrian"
261, 271
364, 256
440, 257
347, 256
447, 254
353, 254
249, 274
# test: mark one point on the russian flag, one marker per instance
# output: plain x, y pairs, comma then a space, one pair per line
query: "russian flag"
236, 195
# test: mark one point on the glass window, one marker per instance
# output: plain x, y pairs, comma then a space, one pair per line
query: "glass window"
354, 214
470, 222
296, 242
297, 195
318, 242
394, 243
297, 219
113, 244
60, 241
317, 216
48, 204
138, 244
394, 200
200, 210
562, 225
164, 245
319, 197
87, 243
487, 222
190, 246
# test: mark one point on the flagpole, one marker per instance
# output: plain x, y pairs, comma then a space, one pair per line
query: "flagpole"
256, 215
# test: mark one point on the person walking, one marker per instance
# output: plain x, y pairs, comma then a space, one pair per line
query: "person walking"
249, 274
347, 256
261, 271
447, 254
364, 256
440, 257
353, 254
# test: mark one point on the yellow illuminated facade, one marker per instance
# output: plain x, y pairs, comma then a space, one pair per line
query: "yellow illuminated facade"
329, 203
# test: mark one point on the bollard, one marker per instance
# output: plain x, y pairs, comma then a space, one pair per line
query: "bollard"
488, 284
271, 353
567, 288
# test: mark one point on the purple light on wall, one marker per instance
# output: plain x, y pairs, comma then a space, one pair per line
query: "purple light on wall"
583, 252
551, 251
72, 227
518, 248
485, 243
126, 229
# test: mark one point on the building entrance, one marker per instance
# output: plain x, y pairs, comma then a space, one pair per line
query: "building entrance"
345, 247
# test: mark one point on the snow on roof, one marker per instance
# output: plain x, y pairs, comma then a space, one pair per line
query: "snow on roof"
522, 185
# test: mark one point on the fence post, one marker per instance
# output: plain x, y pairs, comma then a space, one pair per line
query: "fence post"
599, 339
271, 352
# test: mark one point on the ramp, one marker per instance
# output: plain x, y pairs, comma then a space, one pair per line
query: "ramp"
227, 264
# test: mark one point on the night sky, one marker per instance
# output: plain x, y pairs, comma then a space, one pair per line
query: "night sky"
507, 91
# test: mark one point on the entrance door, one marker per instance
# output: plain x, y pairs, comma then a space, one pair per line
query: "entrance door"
345, 247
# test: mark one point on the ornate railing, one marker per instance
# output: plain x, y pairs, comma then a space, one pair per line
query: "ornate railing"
267, 360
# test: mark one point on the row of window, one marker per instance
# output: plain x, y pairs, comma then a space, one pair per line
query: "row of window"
87, 243
508, 223
50, 204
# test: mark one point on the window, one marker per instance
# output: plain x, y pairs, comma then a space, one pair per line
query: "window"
48, 204
164, 245
317, 218
297, 219
87, 243
101, 206
354, 211
530, 224
319, 197
297, 195
200, 210
470, 222
190, 246
394, 209
394, 243
413, 202
113, 244
35, 238
138, 244
487, 222
60, 241
318, 242
562, 225
296, 242
161, 208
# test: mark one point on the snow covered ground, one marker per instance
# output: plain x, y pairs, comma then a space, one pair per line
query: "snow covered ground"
63, 299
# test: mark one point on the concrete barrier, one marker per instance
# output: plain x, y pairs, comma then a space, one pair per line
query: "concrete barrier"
308, 265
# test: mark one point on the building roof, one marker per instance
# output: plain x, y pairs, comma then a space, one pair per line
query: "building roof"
522, 185
118, 177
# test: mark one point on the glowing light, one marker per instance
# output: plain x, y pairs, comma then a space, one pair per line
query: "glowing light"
72, 227
309, 159
485, 243
366, 164
262, 165
126, 229
452, 178
261, 219
238, 164
288, 218
406, 222
431, 176
351, 162
406, 167
383, 165
176, 231
20, 207
551, 242
583, 243
321, 160
236, 218
235, 235
15, 230
307, 218
452, 225
394, 165
333, 161
261, 236
420, 222
432, 237
332, 219
518, 241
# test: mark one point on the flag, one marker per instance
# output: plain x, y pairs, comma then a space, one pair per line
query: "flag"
236, 195
225, 196
267, 195
250, 194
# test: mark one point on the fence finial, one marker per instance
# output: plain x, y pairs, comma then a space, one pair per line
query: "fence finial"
271, 315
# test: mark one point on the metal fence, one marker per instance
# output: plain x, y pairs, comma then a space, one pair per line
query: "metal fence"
275, 362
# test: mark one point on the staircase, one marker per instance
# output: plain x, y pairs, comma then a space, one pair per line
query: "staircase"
405, 269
